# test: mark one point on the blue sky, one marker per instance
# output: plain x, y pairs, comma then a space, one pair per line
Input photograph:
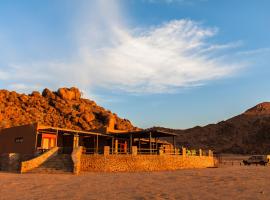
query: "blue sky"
172, 63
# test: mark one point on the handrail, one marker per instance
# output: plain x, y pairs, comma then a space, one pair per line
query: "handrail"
37, 161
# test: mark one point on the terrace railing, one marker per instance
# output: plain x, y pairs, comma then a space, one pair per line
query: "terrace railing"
172, 152
92, 150
120, 151
147, 151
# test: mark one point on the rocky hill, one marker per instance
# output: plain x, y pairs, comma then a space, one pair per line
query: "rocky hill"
64, 108
246, 133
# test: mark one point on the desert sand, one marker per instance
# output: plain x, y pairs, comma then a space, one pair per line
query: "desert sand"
226, 182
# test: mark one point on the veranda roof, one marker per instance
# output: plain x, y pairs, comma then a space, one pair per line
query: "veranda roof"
49, 129
146, 133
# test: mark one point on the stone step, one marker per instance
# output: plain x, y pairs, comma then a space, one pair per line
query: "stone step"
56, 167
61, 163
50, 172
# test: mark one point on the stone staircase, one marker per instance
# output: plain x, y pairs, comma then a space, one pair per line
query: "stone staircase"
59, 164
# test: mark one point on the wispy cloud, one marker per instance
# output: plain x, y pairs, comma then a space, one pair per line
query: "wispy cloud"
176, 54
186, 2
160, 59
255, 51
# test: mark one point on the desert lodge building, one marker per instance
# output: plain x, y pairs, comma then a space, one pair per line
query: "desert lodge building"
36, 148
36, 138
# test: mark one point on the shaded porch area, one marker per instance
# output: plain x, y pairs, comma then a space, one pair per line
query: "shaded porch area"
68, 139
147, 141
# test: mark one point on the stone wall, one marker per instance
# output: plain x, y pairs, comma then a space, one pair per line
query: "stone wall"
10, 162
127, 163
35, 162
76, 159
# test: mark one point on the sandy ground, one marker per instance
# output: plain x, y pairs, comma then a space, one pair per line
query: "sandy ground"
227, 182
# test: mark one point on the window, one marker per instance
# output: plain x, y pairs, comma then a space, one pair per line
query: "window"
19, 140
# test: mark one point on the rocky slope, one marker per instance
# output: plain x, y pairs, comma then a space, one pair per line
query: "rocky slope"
64, 108
246, 133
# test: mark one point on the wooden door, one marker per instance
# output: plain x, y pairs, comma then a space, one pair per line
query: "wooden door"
52, 142
45, 143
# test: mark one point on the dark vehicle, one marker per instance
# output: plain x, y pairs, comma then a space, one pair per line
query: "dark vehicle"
257, 159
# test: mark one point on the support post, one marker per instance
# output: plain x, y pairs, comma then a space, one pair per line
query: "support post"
75, 140
174, 145
112, 145
130, 143
97, 145
35, 142
116, 146
156, 146
56, 141
139, 145
150, 143
125, 147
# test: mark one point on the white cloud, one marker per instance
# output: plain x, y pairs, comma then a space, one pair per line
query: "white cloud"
111, 55
158, 59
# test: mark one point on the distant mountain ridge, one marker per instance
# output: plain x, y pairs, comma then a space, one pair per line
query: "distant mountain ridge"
247, 133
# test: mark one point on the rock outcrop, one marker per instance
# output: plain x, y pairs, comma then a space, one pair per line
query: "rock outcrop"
69, 94
64, 108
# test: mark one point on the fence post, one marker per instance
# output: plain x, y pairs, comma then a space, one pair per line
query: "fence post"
184, 152
106, 150
210, 154
161, 151
134, 150
200, 152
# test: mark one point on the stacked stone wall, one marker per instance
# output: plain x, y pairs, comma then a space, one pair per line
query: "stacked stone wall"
127, 163
10, 162
35, 162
